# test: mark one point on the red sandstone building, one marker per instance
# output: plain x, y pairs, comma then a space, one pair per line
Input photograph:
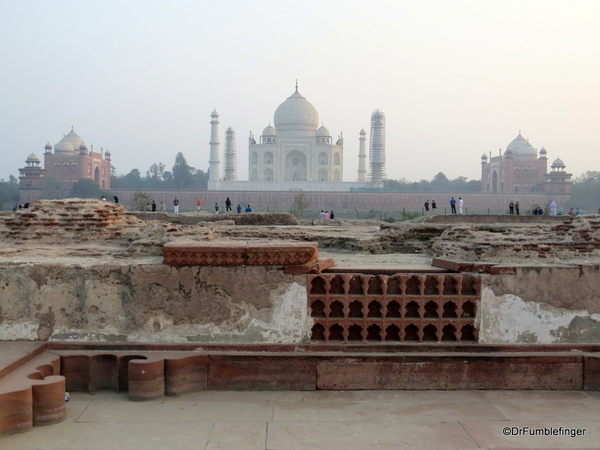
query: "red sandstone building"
70, 162
520, 171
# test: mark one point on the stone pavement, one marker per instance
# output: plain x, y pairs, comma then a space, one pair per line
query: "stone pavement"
329, 420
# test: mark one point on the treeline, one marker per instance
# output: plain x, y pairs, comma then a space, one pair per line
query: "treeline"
439, 183
181, 176
586, 192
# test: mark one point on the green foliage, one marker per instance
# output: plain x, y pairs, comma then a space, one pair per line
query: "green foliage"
86, 188
439, 183
141, 200
586, 191
182, 173
157, 177
300, 204
9, 194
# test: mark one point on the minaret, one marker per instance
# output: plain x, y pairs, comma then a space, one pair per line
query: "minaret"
377, 149
230, 156
214, 162
362, 157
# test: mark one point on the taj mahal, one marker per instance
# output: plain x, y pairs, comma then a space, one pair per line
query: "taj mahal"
293, 154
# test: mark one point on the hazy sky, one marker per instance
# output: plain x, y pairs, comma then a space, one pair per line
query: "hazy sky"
455, 79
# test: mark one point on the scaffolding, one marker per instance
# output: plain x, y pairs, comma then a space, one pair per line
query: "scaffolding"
377, 149
230, 169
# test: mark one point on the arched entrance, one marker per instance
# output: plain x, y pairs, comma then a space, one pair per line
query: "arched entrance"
295, 166
97, 176
495, 181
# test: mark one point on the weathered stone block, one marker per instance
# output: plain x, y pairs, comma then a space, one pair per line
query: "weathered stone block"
262, 373
286, 253
204, 253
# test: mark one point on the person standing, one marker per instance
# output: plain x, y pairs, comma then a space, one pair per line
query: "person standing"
453, 205
517, 207
199, 204
552, 208
327, 215
227, 205
332, 216
239, 208
153, 206
216, 209
163, 207
426, 206
433, 207
511, 207
460, 205
116, 199
176, 205
248, 209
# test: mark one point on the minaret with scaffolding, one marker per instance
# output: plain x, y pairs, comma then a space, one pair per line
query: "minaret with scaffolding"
377, 149
230, 173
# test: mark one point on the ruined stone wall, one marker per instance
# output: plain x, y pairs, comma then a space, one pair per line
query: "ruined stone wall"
142, 303
541, 305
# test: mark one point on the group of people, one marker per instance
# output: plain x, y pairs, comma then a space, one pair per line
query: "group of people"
326, 215
228, 207
453, 204
18, 206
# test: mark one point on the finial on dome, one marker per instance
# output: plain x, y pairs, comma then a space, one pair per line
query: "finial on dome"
296, 84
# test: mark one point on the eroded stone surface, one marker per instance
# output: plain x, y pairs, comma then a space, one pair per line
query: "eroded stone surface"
152, 303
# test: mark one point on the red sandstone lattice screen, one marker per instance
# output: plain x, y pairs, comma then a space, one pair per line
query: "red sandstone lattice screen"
403, 307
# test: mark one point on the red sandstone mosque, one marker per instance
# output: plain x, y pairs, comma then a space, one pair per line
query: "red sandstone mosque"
70, 161
521, 170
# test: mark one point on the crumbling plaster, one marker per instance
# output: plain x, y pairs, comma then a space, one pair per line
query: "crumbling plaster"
132, 303
541, 305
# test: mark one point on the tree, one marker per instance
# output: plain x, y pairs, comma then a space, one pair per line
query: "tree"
156, 171
86, 188
9, 193
141, 200
182, 173
13, 180
300, 204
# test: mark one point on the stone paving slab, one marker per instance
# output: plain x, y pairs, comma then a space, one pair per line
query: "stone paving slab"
424, 420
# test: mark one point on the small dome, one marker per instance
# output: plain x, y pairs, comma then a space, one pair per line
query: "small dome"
32, 158
543, 151
558, 163
484, 156
296, 113
48, 146
323, 132
83, 146
64, 146
362, 131
269, 131
107, 153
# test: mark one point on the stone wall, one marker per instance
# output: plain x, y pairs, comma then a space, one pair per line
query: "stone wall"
541, 305
133, 303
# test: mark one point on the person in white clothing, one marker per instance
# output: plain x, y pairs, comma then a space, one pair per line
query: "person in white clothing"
460, 205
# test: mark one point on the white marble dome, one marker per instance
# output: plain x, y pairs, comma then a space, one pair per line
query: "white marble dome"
269, 131
558, 163
296, 113
33, 158
74, 139
63, 146
323, 132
